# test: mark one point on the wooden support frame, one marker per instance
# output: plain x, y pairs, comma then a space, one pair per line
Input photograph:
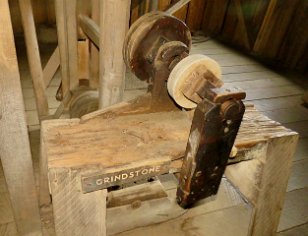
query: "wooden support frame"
14, 141
34, 58
265, 145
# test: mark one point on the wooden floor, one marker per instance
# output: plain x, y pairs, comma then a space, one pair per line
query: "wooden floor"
274, 94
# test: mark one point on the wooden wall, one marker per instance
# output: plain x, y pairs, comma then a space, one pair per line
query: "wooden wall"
275, 30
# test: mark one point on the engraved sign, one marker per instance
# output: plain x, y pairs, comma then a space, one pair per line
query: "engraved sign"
102, 181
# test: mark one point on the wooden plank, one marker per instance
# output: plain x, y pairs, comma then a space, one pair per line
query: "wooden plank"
294, 210
83, 59
301, 127
242, 69
114, 15
296, 231
255, 179
90, 28
71, 34
296, 38
274, 26
51, 67
299, 176
176, 6
94, 54
214, 16
62, 44
269, 104
242, 24
195, 14
76, 213
302, 149
181, 13
288, 115
34, 58
261, 93
14, 143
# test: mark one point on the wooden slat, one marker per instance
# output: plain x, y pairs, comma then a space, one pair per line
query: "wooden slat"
176, 6
294, 210
274, 26
299, 230
213, 17
114, 15
299, 175
14, 143
34, 58
51, 67
90, 28
195, 14
94, 54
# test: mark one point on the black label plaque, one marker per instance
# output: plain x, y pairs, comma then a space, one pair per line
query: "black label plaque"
102, 181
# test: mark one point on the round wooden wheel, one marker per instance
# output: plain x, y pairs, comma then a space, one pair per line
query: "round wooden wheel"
145, 37
190, 68
84, 103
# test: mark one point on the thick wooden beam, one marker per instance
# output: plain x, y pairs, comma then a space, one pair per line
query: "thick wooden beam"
14, 141
51, 67
90, 28
34, 57
114, 15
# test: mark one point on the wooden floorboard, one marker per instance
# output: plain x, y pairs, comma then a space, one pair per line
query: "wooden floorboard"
299, 176
301, 230
295, 209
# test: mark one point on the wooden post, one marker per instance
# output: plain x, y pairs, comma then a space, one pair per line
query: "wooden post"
94, 53
14, 141
67, 40
34, 57
114, 20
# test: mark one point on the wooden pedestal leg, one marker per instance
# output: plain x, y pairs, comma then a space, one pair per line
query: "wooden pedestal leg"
14, 141
76, 213
263, 181
114, 18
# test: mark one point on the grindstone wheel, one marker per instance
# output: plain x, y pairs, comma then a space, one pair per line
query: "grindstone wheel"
146, 35
191, 67
84, 103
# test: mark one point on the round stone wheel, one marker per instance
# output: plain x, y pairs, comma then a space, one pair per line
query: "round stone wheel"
187, 69
84, 103
146, 35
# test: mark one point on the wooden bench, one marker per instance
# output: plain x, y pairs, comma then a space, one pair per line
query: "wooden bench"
126, 137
